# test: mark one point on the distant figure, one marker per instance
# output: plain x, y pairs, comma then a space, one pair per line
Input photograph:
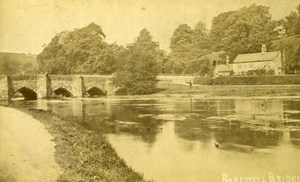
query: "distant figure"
191, 84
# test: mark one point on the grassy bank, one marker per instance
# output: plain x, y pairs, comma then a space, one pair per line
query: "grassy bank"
82, 154
231, 90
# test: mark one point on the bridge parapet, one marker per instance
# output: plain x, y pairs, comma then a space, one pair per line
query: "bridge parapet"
43, 85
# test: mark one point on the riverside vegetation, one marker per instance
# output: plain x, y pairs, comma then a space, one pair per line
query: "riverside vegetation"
83, 155
194, 50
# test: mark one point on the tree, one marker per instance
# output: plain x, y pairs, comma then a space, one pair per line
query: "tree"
182, 39
242, 31
181, 48
187, 45
80, 51
136, 73
290, 48
218, 29
200, 43
291, 23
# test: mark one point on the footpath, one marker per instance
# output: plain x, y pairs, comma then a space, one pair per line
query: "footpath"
26, 149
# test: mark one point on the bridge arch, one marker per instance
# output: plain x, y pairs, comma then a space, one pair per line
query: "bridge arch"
27, 93
62, 91
95, 91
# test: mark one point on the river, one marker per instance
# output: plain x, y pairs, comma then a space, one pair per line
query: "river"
173, 139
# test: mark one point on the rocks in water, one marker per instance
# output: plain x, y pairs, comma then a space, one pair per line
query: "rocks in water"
217, 145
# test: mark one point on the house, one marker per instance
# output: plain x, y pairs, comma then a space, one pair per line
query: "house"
248, 64
224, 69
271, 62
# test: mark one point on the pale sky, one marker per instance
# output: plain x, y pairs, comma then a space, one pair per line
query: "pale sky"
25, 25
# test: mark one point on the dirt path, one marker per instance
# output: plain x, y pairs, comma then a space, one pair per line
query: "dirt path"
26, 149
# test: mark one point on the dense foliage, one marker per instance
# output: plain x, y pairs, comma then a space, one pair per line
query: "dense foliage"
80, 51
242, 31
137, 71
187, 46
235, 32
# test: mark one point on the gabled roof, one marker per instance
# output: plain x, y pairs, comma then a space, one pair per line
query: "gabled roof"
256, 57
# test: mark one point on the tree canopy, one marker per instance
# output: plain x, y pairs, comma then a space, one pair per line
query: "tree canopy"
80, 51
242, 31
291, 23
187, 46
137, 71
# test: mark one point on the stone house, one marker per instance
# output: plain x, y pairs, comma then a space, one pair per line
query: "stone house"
269, 61
244, 63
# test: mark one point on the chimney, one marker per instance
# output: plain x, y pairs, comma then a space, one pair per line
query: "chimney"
227, 60
263, 48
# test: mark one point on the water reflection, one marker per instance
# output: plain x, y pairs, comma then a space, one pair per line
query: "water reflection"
179, 134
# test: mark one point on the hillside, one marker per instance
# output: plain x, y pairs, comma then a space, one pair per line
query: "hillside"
16, 63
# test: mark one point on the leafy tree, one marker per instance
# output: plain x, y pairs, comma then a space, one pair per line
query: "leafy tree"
79, 51
291, 23
182, 39
103, 63
242, 31
218, 29
136, 73
187, 45
200, 43
290, 48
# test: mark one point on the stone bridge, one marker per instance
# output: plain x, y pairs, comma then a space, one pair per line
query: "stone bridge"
44, 85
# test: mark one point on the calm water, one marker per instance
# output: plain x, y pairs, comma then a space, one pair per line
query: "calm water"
175, 139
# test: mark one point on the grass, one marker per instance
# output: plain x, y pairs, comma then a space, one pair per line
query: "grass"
83, 155
230, 90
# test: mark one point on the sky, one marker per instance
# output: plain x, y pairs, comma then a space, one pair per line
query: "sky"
27, 25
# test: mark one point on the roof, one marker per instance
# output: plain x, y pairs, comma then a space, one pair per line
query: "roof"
224, 67
256, 57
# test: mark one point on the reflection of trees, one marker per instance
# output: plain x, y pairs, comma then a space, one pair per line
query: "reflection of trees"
294, 106
123, 116
295, 137
245, 136
146, 128
196, 128
193, 130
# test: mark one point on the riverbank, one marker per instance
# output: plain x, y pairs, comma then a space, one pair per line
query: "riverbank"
229, 90
83, 155
26, 148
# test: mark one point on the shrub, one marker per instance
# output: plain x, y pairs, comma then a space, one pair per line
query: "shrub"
258, 80
203, 80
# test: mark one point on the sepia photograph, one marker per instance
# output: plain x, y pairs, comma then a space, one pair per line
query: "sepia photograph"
156, 91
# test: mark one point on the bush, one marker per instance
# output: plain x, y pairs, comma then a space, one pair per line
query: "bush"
258, 80
203, 80
250, 80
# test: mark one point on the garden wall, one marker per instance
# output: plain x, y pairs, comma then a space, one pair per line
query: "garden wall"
250, 80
